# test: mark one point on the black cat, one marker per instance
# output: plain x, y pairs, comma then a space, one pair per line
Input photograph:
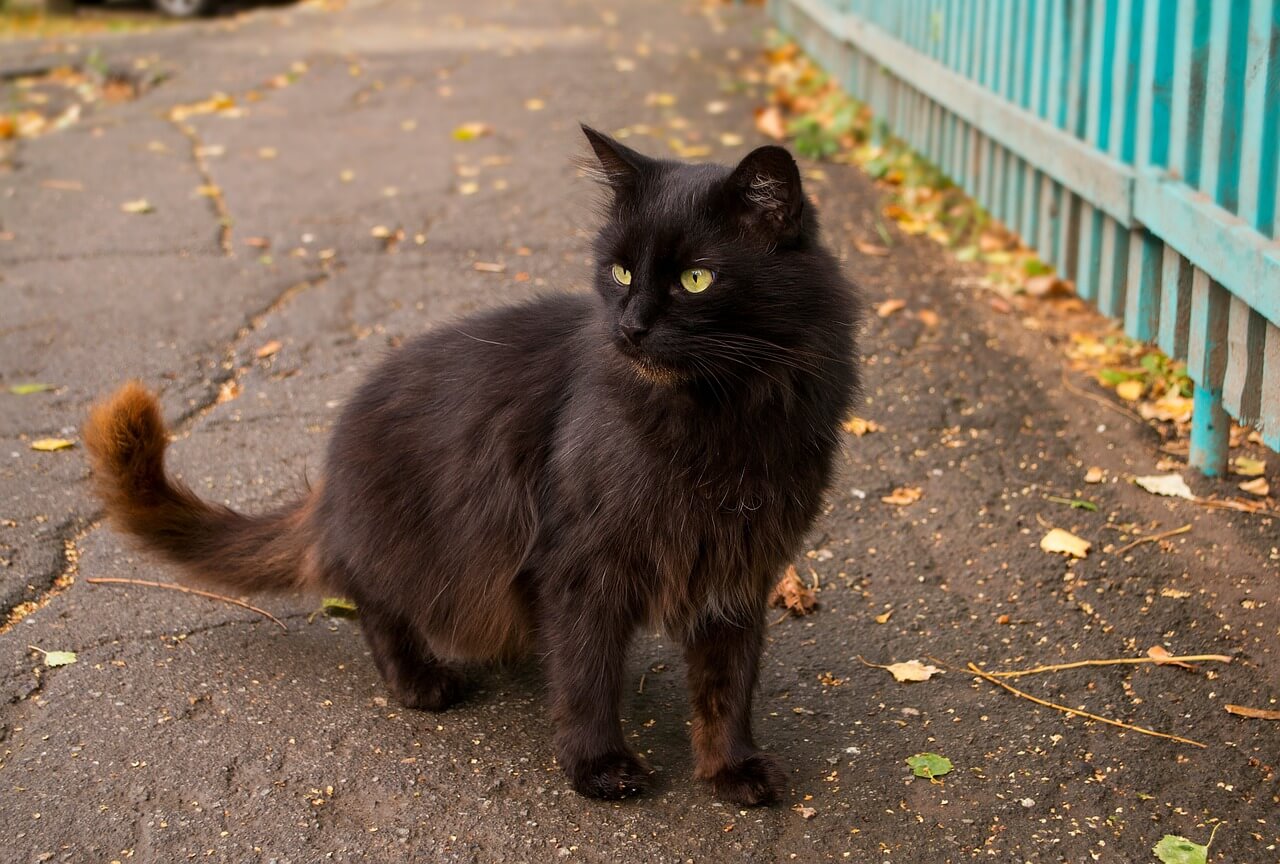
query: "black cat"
550, 476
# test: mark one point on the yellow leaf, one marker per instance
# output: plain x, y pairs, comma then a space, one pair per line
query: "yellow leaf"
883, 618
1131, 390
888, 307
1065, 543
903, 495
1246, 467
267, 152
858, 427
666, 100
209, 191
1257, 486
139, 206
731, 139
50, 444
1094, 475
471, 131
769, 122
911, 670
268, 349
469, 187
534, 104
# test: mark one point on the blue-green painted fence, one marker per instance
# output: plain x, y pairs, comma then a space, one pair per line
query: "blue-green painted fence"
1133, 143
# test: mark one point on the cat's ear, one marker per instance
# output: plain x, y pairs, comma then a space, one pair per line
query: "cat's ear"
766, 190
616, 165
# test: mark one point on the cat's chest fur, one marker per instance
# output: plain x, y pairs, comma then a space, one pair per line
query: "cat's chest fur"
695, 507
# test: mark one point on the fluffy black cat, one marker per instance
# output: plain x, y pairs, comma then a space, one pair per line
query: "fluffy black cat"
551, 476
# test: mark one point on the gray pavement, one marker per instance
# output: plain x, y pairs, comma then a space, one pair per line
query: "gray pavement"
195, 730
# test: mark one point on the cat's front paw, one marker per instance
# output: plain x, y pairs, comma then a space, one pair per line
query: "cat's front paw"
758, 779
433, 688
610, 776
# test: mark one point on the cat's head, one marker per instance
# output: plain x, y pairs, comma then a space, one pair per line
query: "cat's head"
708, 271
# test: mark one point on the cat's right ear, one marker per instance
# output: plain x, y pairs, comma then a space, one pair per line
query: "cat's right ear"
616, 165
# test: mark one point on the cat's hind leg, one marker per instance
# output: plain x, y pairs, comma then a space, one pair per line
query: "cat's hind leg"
415, 676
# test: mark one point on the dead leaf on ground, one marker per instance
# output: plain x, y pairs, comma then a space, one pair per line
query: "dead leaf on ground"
903, 495
1046, 285
1253, 713
488, 267
870, 249
1257, 486
1166, 484
229, 390
268, 349
792, 593
1174, 593
928, 318
1161, 656
1131, 390
1246, 467
138, 206
769, 122
1063, 542
858, 427
1095, 475
888, 307
471, 131
805, 812
884, 617
907, 671
48, 445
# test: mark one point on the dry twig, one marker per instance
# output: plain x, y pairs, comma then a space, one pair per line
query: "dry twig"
1055, 706
1106, 403
1152, 538
1122, 661
108, 580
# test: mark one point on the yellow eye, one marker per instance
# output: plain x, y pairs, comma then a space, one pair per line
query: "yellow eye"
621, 275
697, 280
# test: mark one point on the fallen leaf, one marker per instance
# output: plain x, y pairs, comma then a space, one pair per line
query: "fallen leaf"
1174, 593
769, 122
870, 249
338, 607
928, 317
1166, 484
1065, 543
805, 812
1131, 390
28, 389
1257, 486
792, 593
730, 139
1173, 849
1161, 656
888, 307
1094, 475
208, 191
883, 618
257, 242
903, 495
229, 390
53, 659
471, 131
268, 349
534, 104
50, 444
1246, 467
488, 267
140, 206
469, 187
666, 100
1045, 285
858, 427
717, 107
929, 765
909, 671
1253, 713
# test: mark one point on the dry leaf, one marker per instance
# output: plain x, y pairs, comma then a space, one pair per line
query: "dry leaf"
257, 242
1065, 543
730, 139
268, 349
1094, 475
488, 267
805, 812
888, 307
1253, 713
1174, 593
858, 427
471, 131
870, 249
1045, 285
717, 107
1161, 656
1257, 486
1166, 484
792, 593
48, 445
928, 318
769, 122
140, 206
1246, 467
1131, 390
912, 670
884, 617
903, 495
534, 104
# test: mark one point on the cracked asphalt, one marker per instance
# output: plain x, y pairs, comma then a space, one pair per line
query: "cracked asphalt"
323, 210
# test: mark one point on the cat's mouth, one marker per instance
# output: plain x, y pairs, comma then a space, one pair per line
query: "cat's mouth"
655, 372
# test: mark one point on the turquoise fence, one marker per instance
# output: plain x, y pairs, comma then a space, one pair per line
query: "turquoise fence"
1132, 143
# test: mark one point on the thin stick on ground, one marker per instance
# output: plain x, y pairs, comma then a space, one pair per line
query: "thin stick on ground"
1153, 538
1055, 706
1122, 661
111, 580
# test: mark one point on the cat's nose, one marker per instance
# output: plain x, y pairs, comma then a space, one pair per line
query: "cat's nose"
633, 333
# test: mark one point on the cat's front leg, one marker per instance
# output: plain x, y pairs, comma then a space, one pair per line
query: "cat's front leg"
586, 630
723, 657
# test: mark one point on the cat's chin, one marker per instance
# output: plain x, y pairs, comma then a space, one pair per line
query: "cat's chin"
654, 372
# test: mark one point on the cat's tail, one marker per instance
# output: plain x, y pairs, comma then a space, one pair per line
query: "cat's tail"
126, 439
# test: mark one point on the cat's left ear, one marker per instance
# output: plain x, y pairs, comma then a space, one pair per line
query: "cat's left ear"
766, 185
617, 166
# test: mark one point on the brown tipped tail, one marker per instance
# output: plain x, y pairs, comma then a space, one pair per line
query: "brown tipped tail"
126, 439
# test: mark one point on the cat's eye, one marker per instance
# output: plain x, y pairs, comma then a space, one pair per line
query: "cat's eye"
621, 275
697, 279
